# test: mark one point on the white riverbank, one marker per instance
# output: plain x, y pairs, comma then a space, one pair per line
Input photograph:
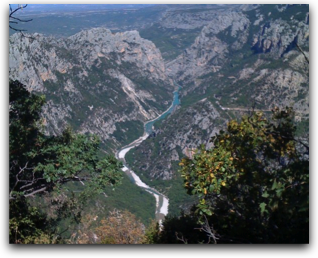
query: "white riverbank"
156, 197
121, 155
165, 203
160, 114
135, 143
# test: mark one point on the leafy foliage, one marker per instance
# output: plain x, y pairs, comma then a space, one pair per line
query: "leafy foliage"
40, 163
254, 183
27, 224
120, 228
127, 196
152, 233
181, 230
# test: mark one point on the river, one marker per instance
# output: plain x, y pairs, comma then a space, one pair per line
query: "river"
162, 202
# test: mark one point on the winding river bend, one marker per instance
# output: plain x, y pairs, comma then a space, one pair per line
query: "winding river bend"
162, 202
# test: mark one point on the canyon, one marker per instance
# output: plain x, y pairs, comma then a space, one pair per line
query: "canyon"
228, 60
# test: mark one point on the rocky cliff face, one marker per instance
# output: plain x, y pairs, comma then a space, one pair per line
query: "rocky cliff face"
231, 35
240, 59
279, 36
208, 51
178, 136
98, 81
227, 58
196, 16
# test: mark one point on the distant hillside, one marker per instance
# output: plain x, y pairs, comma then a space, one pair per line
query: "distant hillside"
228, 59
240, 60
66, 20
36, 9
98, 82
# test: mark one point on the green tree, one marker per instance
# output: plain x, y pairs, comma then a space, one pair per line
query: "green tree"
121, 227
152, 233
41, 164
253, 184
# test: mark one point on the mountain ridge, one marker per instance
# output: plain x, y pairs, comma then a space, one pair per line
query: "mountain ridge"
229, 60
75, 72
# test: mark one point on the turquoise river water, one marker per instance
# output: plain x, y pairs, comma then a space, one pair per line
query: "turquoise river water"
175, 102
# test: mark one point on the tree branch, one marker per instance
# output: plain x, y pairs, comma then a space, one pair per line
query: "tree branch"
15, 18
19, 30
17, 177
34, 181
36, 191
11, 18
15, 10
79, 179
209, 230
185, 241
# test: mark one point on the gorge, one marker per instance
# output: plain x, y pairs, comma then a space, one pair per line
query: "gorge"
114, 80
162, 202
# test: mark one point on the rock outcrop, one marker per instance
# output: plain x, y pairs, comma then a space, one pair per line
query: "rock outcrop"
94, 80
184, 131
240, 59
208, 52
280, 36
